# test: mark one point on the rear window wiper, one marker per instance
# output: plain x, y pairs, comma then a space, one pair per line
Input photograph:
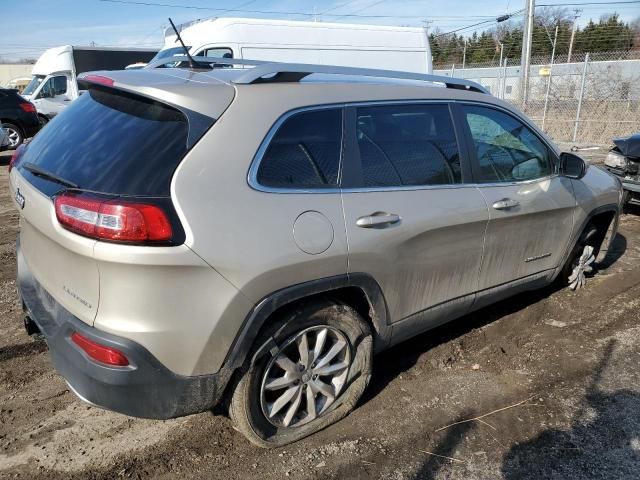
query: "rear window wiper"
40, 172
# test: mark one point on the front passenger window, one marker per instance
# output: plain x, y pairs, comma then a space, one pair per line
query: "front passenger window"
507, 150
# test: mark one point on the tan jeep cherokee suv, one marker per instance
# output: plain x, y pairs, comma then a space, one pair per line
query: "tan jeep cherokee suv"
190, 235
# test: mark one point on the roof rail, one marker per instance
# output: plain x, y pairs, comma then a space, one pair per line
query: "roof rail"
271, 72
295, 71
204, 62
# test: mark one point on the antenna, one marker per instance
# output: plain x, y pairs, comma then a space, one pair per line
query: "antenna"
186, 50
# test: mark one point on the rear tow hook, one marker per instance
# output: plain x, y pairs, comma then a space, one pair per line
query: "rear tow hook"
30, 326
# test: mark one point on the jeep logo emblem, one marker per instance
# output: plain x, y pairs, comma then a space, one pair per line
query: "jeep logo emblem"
19, 198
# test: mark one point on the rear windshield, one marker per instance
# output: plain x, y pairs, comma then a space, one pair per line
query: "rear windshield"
111, 142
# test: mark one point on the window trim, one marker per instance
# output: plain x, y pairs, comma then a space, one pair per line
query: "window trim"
468, 159
473, 157
252, 176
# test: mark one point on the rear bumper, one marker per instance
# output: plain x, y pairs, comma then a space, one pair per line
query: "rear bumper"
145, 388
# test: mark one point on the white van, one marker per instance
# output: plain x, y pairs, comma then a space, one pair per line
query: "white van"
53, 78
350, 45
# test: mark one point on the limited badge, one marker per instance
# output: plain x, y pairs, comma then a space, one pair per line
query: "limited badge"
19, 198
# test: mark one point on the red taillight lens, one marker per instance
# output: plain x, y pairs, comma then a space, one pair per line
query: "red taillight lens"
28, 107
16, 156
102, 80
100, 353
113, 220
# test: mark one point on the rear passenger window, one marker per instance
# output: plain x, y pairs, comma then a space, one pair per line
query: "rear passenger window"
402, 145
305, 152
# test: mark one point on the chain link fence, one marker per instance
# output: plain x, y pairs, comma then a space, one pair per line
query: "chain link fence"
585, 99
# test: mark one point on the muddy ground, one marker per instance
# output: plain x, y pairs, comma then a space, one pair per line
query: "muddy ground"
568, 361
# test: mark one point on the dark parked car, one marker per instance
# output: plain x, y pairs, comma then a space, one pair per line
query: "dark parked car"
18, 116
4, 139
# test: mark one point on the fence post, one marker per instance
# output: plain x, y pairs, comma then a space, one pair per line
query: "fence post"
546, 97
584, 76
453, 69
503, 85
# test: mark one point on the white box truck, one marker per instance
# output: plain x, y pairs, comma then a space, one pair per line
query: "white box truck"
53, 78
350, 45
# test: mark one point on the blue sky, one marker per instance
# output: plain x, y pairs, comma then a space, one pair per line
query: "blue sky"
27, 27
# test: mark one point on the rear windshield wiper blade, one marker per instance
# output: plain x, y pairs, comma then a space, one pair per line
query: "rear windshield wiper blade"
40, 172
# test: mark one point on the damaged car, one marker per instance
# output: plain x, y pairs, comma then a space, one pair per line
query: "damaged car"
623, 160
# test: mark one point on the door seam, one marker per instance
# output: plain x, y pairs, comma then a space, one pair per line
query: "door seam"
484, 245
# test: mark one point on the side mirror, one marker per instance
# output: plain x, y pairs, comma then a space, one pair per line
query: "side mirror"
572, 166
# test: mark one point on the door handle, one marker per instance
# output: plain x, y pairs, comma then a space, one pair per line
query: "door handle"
505, 204
378, 220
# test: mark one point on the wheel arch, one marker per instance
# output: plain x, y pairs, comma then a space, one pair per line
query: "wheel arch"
13, 122
601, 217
360, 291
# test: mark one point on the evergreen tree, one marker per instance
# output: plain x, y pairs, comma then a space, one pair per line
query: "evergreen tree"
609, 34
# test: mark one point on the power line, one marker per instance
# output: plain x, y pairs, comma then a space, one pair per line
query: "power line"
378, 2
499, 19
338, 6
586, 3
281, 12
232, 10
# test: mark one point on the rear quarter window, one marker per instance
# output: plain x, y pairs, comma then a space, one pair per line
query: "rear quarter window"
304, 153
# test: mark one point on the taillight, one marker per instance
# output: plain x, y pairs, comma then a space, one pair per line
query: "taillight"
100, 353
113, 220
16, 156
100, 79
28, 107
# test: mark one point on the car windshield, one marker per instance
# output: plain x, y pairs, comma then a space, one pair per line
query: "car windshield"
35, 82
170, 52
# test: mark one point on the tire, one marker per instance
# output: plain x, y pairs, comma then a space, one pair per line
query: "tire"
251, 402
16, 137
43, 119
580, 261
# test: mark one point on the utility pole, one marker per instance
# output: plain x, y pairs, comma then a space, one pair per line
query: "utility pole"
426, 24
525, 60
464, 54
577, 12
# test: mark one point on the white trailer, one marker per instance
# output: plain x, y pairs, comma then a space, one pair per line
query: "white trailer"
54, 76
349, 45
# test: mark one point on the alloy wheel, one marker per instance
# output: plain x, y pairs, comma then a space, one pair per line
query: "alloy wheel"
14, 137
305, 377
582, 266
